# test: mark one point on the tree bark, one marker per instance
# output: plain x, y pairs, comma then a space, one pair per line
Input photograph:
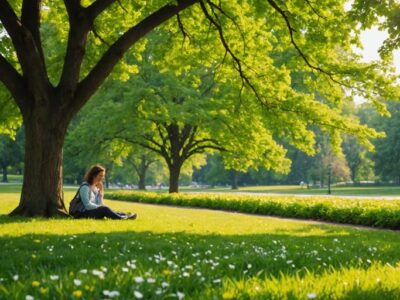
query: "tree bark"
142, 173
174, 173
42, 193
235, 180
5, 179
142, 182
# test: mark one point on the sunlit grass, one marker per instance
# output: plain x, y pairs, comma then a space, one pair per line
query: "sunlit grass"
296, 189
370, 212
175, 253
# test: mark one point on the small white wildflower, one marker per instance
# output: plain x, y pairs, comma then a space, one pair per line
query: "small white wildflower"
165, 284
98, 273
311, 295
54, 277
249, 266
84, 271
180, 295
151, 280
77, 282
289, 262
138, 294
139, 279
170, 263
185, 274
15, 277
231, 267
216, 280
125, 269
198, 273
158, 292
104, 269
29, 297
111, 294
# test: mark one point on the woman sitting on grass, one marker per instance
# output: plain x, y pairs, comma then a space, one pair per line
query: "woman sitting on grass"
91, 193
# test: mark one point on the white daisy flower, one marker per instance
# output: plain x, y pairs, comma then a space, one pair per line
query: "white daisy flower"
138, 294
311, 295
139, 279
77, 282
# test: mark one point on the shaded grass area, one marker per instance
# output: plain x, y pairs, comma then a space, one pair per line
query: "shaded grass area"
377, 213
175, 253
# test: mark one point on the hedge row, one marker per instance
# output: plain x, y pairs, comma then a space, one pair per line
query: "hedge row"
376, 213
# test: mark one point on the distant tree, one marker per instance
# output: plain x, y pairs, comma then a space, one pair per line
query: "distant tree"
387, 154
141, 160
11, 152
213, 172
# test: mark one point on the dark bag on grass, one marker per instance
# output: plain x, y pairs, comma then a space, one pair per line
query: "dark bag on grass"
76, 205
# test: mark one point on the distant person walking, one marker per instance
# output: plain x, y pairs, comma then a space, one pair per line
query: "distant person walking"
91, 193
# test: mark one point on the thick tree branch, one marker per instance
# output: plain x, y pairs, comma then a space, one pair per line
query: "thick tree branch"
114, 54
162, 148
202, 149
30, 19
9, 20
186, 131
161, 135
98, 7
13, 81
80, 26
28, 51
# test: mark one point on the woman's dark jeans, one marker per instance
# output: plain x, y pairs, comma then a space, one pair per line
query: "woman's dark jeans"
100, 213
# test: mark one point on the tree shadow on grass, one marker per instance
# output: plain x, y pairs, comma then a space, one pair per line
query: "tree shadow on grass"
6, 219
197, 264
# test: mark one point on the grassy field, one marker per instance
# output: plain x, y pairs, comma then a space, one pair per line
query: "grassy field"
175, 253
16, 180
295, 189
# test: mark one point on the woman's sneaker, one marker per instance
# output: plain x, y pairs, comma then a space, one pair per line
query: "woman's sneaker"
131, 216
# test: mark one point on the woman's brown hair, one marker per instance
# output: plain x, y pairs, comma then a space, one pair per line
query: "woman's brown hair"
92, 173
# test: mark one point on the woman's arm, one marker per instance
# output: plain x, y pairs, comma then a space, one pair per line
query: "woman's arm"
84, 194
100, 194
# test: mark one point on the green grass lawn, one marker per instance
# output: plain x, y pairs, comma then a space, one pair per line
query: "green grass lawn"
295, 189
176, 253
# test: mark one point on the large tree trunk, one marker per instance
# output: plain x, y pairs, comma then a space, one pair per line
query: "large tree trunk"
42, 193
142, 173
142, 182
174, 173
5, 179
235, 179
